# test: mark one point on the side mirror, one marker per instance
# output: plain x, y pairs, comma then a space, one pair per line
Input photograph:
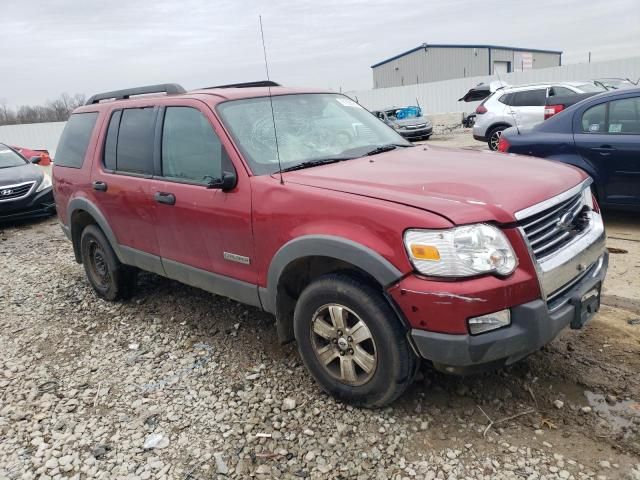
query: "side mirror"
226, 183
35, 160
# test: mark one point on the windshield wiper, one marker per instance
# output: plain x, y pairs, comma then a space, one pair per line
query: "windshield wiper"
315, 163
385, 148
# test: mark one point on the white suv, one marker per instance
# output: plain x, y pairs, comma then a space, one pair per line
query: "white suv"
521, 106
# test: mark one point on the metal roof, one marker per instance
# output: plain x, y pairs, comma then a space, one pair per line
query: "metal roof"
441, 45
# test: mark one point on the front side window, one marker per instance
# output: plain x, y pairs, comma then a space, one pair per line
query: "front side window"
310, 127
75, 138
530, 98
191, 150
9, 158
134, 149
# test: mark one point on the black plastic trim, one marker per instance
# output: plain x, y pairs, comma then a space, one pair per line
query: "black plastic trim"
532, 327
259, 83
168, 88
325, 246
211, 282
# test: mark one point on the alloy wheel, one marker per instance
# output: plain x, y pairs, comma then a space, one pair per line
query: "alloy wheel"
495, 140
343, 344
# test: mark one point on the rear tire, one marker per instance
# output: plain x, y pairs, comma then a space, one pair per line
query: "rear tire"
111, 279
494, 137
352, 342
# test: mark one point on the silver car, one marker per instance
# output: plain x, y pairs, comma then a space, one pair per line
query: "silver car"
407, 121
520, 106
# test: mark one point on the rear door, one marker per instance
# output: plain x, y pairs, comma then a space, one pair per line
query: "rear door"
527, 106
608, 136
121, 184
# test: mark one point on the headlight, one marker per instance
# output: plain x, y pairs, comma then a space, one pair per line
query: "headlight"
45, 183
461, 251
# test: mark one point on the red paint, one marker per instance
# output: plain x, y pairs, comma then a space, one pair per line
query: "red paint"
371, 201
439, 306
28, 153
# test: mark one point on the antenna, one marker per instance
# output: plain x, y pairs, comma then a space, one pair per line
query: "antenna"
273, 115
510, 111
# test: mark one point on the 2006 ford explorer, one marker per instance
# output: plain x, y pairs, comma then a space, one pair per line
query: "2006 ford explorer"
370, 252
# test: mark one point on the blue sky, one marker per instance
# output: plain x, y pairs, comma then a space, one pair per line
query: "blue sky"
86, 46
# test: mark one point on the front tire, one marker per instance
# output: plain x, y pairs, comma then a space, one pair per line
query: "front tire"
493, 139
111, 279
352, 342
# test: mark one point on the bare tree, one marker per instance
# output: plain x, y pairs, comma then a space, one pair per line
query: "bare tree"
57, 110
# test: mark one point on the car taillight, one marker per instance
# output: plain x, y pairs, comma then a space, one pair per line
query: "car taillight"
481, 109
551, 110
503, 145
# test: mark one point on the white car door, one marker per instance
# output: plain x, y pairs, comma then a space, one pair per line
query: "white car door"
527, 106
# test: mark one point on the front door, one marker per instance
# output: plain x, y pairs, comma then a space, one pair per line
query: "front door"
205, 234
608, 137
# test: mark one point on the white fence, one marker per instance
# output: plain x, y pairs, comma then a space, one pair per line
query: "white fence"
442, 97
434, 98
37, 136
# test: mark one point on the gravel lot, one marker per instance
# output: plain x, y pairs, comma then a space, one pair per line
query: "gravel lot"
180, 384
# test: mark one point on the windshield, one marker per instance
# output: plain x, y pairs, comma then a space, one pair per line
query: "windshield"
309, 126
9, 158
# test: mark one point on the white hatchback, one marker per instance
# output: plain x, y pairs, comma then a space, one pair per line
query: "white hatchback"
520, 106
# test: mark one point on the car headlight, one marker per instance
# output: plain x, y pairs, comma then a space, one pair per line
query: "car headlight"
460, 251
45, 183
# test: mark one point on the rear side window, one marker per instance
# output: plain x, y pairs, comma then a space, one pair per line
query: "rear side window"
560, 92
191, 150
112, 141
134, 145
529, 98
74, 141
594, 120
507, 98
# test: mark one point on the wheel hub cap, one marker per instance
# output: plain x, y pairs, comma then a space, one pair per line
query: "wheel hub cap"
343, 344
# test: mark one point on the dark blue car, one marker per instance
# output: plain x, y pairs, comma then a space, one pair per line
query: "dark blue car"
600, 135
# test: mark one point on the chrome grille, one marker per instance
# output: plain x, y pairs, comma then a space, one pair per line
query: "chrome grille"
15, 192
553, 228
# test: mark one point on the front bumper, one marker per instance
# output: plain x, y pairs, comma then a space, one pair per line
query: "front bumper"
41, 204
533, 325
415, 134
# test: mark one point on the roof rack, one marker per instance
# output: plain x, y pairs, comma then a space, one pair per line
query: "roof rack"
259, 83
168, 88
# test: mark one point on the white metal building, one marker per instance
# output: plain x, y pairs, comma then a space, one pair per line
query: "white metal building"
433, 63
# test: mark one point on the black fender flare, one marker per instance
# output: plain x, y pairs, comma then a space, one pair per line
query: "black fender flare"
366, 259
80, 203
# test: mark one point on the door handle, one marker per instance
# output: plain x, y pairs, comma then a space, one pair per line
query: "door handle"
604, 150
166, 198
100, 186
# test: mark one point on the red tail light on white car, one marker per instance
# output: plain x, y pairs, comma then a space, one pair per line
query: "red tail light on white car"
551, 110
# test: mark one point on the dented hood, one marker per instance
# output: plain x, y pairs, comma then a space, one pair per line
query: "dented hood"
463, 186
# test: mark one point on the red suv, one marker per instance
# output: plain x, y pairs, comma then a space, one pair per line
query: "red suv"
371, 253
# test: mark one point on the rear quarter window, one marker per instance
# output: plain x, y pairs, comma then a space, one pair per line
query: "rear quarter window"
75, 138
